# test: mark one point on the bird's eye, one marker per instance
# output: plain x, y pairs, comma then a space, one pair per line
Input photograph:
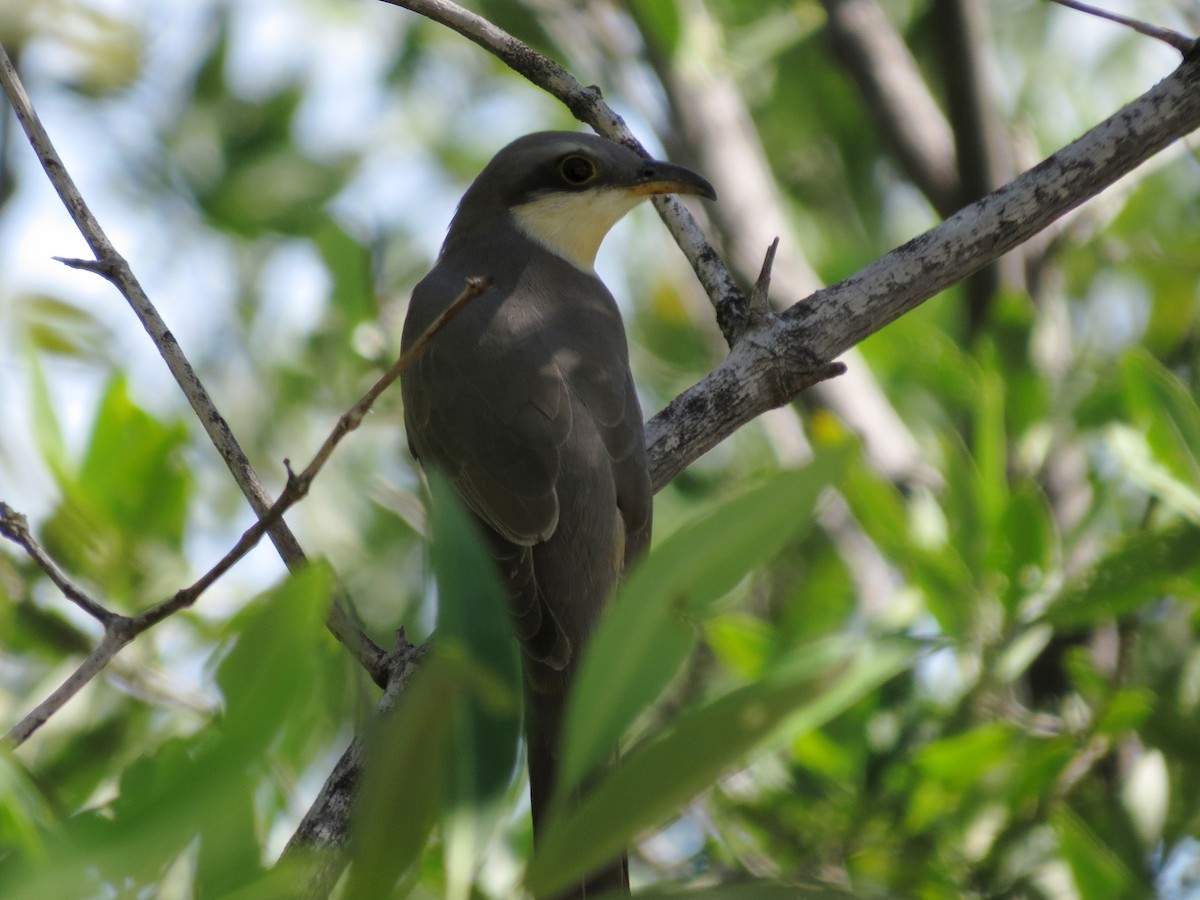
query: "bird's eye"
577, 170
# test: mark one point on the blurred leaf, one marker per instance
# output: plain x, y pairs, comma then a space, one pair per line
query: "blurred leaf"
405, 776
659, 21
57, 326
1137, 571
349, 265
1026, 543
648, 630
1167, 413
990, 443
1132, 451
229, 853
1099, 873
130, 469
657, 778
473, 617
47, 432
269, 672
755, 891
1126, 711
127, 504
25, 815
932, 562
739, 641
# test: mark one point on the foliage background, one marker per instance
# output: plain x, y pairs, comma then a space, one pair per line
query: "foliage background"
279, 174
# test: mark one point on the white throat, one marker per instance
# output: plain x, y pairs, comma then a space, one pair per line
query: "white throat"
573, 225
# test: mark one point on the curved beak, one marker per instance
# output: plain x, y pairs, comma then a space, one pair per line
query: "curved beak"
658, 177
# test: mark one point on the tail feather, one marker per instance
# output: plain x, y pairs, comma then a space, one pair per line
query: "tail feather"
543, 727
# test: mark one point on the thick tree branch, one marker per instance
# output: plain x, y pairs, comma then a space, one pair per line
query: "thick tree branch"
113, 267
793, 349
720, 131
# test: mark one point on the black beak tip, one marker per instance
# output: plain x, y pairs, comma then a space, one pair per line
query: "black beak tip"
668, 178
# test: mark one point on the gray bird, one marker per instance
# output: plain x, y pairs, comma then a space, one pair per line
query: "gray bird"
526, 403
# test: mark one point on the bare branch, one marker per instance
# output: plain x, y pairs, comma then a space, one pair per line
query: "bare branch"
113, 267
1181, 42
298, 484
14, 526
790, 352
117, 634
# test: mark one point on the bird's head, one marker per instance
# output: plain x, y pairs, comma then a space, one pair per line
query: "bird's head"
565, 191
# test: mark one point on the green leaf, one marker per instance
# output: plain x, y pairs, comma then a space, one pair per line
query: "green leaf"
1099, 872
958, 760
648, 631
1130, 447
405, 776
132, 468
932, 562
817, 683
990, 441
473, 618
659, 21
269, 672
47, 432
753, 891
349, 265
25, 815
1164, 408
1138, 570
1027, 543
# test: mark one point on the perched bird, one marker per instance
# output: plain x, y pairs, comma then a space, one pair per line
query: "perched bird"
526, 403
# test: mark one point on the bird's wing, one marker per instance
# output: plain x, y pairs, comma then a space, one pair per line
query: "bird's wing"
481, 410
493, 403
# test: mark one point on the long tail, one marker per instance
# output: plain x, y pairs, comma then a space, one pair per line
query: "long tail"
544, 710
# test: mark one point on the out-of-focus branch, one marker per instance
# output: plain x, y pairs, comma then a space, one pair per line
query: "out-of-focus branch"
897, 98
113, 267
984, 162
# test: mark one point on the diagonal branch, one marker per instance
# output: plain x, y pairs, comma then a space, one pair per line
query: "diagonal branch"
113, 267
15, 527
1181, 42
789, 353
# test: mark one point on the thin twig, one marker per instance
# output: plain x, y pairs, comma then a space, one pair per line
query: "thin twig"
117, 634
1180, 42
120, 630
760, 297
15, 527
112, 266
